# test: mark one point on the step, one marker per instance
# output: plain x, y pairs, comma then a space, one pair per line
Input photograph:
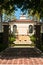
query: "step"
22, 46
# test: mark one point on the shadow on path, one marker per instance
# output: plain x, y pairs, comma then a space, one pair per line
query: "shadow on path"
20, 53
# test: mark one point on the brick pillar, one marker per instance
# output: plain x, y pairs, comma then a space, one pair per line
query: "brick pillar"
38, 35
1, 37
5, 34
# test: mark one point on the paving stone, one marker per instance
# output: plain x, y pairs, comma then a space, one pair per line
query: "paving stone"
28, 56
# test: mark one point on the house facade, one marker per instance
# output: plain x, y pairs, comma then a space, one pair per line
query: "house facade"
22, 26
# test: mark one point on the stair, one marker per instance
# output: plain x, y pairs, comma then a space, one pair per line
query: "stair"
23, 45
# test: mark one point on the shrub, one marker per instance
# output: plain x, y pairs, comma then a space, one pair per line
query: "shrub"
11, 39
32, 38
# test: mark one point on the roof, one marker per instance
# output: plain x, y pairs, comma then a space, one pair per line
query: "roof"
22, 15
23, 21
5, 23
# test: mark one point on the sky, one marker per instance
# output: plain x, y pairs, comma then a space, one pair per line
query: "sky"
18, 13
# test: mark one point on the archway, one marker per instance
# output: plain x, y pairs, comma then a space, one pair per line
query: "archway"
30, 29
14, 30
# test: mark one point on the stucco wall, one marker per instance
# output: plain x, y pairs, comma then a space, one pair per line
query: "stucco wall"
22, 28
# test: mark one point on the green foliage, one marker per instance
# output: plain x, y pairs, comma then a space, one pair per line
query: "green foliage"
11, 39
9, 16
32, 38
35, 5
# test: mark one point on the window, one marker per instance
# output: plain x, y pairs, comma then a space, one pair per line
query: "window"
30, 29
14, 29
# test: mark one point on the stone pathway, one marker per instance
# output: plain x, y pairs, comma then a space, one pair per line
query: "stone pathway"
21, 56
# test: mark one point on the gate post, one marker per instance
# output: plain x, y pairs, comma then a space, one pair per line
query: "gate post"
1, 37
5, 34
38, 34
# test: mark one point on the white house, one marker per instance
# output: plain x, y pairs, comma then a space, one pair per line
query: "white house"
22, 26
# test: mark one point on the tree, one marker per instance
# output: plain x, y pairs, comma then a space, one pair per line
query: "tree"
10, 5
35, 5
35, 16
8, 17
